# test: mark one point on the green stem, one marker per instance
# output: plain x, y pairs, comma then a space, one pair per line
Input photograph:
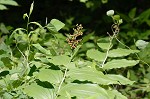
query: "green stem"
61, 82
131, 49
109, 47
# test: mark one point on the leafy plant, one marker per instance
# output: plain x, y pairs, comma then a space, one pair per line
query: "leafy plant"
39, 62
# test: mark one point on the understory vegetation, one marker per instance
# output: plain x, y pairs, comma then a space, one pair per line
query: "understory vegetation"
46, 62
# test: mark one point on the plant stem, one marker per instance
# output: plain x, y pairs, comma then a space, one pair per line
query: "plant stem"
131, 49
61, 82
107, 52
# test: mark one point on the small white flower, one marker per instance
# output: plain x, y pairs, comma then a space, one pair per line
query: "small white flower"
110, 13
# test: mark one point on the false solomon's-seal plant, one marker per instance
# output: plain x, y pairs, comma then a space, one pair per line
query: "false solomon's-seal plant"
43, 65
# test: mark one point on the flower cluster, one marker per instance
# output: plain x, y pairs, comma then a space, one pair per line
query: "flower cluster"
72, 39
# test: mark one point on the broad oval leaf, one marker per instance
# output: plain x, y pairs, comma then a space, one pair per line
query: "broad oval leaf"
120, 63
57, 24
119, 52
39, 92
52, 76
104, 45
60, 60
96, 55
89, 74
122, 80
83, 91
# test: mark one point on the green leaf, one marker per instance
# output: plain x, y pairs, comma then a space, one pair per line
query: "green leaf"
87, 37
104, 1
96, 55
75, 51
2, 7
119, 52
52, 28
141, 44
120, 63
52, 76
132, 13
89, 74
122, 80
4, 55
5, 48
1, 64
57, 24
31, 8
36, 23
144, 16
7, 95
25, 15
60, 60
4, 29
39, 92
104, 45
125, 17
9, 2
43, 50
114, 94
145, 54
116, 17
83, 1
84, 91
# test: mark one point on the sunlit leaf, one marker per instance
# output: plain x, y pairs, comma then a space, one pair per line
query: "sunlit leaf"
88, 74
60, 60
114, 94
119, 52
39, 92
96, 55
36, 23
104, 45
31, 8
9, 2
52, 76
25, 15
83, 1
4, 47
122, 80
1, 64
2, 7
120, 63
57, 24
83, 91
43, 50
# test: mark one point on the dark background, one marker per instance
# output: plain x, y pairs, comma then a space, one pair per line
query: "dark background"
93, 18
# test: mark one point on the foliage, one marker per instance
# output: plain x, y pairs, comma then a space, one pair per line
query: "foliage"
41, 62
7, 2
